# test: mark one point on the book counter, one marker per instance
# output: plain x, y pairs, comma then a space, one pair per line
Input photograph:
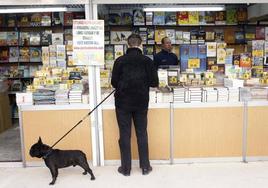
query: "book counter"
178, 132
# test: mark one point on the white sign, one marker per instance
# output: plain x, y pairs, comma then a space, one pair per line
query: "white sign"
88, 42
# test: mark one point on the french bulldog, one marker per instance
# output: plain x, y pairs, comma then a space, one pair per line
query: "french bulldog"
55, 159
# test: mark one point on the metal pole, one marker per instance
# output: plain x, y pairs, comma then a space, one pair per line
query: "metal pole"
171, 124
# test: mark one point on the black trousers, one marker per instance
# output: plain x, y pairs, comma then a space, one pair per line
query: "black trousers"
140, 122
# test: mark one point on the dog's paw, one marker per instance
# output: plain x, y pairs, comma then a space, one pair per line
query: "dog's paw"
52, 183
92, 178
85, 173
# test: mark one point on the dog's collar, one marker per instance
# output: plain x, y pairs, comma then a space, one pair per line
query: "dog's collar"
48, 153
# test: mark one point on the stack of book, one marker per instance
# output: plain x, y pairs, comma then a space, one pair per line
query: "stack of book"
258, 93
178, 95
195, 94
164, 97
233, 94
44, 96
75, 94
152, 96
209, 94
223, 94
61, 97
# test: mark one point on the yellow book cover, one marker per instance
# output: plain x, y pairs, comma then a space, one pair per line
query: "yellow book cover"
183, 18
193, 18
193, 63
159, 34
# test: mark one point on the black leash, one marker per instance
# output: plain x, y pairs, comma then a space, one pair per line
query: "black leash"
81, 120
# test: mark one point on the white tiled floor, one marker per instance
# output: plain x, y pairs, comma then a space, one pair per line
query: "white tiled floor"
202, 175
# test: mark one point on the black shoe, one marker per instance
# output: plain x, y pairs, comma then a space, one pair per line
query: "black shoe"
125, 172
146, 171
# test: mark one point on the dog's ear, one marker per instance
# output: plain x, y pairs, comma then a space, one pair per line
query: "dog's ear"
40, 140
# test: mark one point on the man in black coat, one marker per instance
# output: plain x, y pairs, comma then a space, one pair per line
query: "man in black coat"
133, 74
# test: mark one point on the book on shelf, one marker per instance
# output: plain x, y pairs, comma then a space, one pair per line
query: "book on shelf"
241, 13
109, 52
170, 33
24, 54
193, 17
23, 20
126, 17
11, 20
68, 18
118, 51
173, 77
260, 33
148, 50
201, 37
46, 37
219, 35
12, 38
149, 18
231, 17
13, 54
45, 56
3, 38
35, 38
239, 37
114, 17
107, 37
150, 36
258, 48
70, 61
236, 59
210, 17
138, 17
220, 18
257, 61
159, 18
250, 34
159, 34
229, 56
105, 76
210, 36
4, 56
202, 20
245, 60
61, 54
193, 36
24, 38
46, 19
119, 37
162, 75
186, 37
35, 54
170, 18
35, 19
57, 39
183, 18
178, 37
221, 53
229, 35
57, 19
61, 64
211, 49
143, 35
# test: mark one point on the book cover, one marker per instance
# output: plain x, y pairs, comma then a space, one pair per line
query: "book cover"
183, 18
210, 17
170, 33
245, 60
143, 35
163, 80
221, 53
184, 56
239, 37
170, 18
35, 54
24, 55
2, 20
57, 38
193, 18
3, 38
114, 17
257, 48
229, 35
126, 17
229, 56
193, 51
186, 36
119, 37
231, 17
35, 38
4, 56
23, 20
11, 20
57, 19
61, 64
149, 18
242, 14
13, 54
250, 33
46, 19
35, 19
105, 76
173, 77
61, 54
194, 36
24, 38
236, 59
68, 34
138, 17
202, 20
257, 71
109, 52
148, 50
211, 49
159, 18
159, 34
45, 56
201, 37
260, 33
68, 18
220, 18
150, 36
179, 37
46, 37
12, 38
107, 37
210, 36
257, 61
118, 51
219, 35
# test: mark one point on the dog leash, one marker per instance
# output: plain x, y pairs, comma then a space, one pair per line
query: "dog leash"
78, 123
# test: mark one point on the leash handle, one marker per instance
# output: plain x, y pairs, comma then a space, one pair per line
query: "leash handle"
83, 118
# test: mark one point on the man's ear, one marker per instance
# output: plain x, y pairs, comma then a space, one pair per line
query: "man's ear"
40, 140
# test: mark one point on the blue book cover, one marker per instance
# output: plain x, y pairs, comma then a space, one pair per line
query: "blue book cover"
193, 51
159, 18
